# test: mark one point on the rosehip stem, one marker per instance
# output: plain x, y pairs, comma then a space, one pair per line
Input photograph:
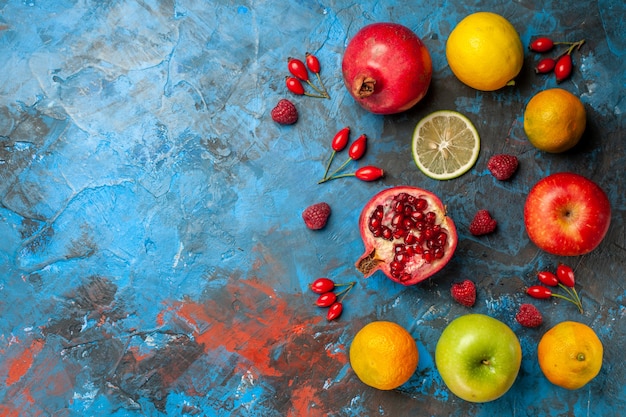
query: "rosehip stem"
366, 173
323, 93
334, 174
576, 301
319, 79
572, 45
575, 298
342, 294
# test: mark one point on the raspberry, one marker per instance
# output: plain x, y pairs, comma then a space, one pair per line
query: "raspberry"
529, 316
482, 223
502, 166
316, 216
464, 292
285, 112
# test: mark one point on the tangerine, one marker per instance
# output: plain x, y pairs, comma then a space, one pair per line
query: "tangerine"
383, 355
570, 354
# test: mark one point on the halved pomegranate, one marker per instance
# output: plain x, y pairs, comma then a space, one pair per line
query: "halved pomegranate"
406, 234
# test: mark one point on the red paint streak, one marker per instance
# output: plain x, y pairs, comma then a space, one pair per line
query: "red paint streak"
304, 402
22, 363
8, 412
251, 322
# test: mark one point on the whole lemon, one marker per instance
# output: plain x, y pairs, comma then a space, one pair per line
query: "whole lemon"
554, 120
485, 51
383, 355
570, 354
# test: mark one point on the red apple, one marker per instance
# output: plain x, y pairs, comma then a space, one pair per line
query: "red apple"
567, 214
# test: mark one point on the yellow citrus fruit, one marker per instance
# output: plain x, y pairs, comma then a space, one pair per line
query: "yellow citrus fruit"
554, 120
485, 51
445, 145
570, 354
383, 355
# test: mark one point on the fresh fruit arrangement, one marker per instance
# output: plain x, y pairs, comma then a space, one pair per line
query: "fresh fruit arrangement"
407, 235
406, 231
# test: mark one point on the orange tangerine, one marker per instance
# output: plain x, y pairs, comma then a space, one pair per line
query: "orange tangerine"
570, 354
383, 355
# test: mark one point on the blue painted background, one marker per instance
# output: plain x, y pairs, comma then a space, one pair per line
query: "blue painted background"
153, 260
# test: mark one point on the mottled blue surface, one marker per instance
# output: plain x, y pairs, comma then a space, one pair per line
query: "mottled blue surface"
153, 260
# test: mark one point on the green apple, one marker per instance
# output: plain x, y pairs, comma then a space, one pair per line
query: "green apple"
478, 357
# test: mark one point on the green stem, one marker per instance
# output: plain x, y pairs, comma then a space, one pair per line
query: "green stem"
576, 302
314, 95
345, 291
323, 93
319, 79
572, 46
332, 156
333, 175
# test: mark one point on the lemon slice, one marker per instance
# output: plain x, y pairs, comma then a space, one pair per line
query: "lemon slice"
445, 145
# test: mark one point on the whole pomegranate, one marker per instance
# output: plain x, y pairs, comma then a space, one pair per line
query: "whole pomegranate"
406, 234
386, 68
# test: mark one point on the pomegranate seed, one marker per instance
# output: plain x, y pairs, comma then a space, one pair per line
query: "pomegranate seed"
399, 233
421, 204
431, 217
397, 220
375, 222
410, 239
